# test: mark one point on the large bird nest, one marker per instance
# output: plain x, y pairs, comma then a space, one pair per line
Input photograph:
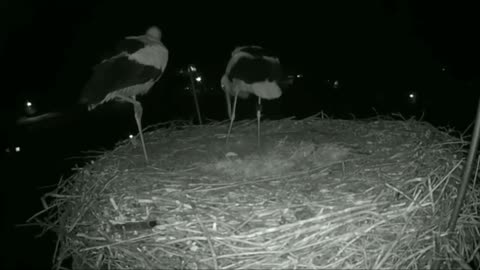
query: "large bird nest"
318, 194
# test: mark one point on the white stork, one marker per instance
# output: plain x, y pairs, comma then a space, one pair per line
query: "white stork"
251, 70
138, 64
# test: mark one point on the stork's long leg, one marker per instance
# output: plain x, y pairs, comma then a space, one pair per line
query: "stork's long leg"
137, 106
229, 105
138, 118
259, 115
232, 118
227, 88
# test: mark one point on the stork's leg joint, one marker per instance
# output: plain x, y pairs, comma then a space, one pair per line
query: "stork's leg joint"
138, 109
259, 116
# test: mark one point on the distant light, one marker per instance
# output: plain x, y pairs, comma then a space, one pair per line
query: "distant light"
412, 97
299, 75
130, 136
443, 69
198, 79
29, 104
336, 84
17, 149
192, 68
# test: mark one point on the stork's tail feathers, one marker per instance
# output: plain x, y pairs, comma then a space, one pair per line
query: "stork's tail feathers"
267, 89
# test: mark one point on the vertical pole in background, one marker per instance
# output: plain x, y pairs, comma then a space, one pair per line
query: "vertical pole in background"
462, 189
194, 91
467, 172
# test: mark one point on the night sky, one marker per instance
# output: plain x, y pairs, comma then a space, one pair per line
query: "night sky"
50, 48
378, 51
379, 46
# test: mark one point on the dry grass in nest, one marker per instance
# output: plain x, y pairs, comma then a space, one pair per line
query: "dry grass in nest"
319, 194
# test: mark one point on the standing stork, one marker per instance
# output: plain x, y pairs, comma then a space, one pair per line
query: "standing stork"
251, 70
138, 64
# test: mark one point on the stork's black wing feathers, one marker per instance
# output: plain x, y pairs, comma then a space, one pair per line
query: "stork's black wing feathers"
129, 46
255, 70
122, 48
115, 74
257, 51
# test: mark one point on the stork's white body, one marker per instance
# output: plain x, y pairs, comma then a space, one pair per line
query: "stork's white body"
251, 70
138, 63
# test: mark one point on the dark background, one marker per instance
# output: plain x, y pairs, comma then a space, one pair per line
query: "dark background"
378, 51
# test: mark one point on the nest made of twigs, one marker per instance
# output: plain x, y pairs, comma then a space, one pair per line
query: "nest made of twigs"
318, 193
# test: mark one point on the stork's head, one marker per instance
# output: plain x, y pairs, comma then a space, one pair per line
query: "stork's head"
154, 33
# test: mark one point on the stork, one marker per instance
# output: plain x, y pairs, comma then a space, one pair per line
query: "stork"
138, 64
251, 70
